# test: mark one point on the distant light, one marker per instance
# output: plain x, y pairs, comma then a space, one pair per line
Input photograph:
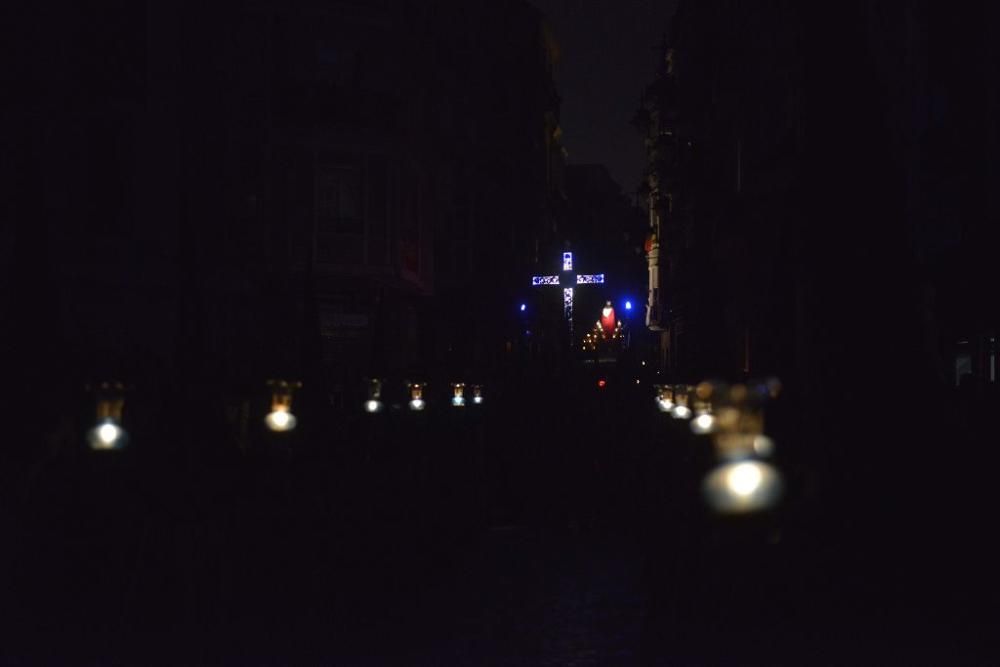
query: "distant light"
477, 400
703, 423
644, 363
567, 261
743, 486
417, 404
601, 383
763, 445
681, 412
280, 420
523, 307
373, 406
628, 305
458, 401
106, 436
664, 404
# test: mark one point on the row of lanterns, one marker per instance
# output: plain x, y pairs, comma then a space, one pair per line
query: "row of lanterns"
742, 481
417, 401
109, 434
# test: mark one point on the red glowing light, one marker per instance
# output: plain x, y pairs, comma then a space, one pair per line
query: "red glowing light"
601, 383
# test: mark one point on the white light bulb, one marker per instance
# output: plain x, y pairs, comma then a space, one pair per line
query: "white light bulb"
280, 420
744, 478
703, 423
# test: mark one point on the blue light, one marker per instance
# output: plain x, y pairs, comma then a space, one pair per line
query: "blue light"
523, 307
628, 305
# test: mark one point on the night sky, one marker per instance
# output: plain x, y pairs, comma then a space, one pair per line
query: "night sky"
609, 52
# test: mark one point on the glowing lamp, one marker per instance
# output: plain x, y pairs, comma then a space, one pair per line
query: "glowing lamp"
742, 486
477, 394
281, 419
681, 409
628, 305
523, 307
664, 397
108, 434
602, 383
374, 401
416, 396
458, 395
703, 423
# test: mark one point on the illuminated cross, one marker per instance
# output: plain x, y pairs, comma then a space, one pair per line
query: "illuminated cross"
568, 278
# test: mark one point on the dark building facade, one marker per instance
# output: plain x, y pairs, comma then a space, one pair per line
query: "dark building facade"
260, 189
723, 129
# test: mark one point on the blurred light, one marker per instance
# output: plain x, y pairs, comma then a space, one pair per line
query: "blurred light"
106, 435
606, 311
743, 486
703, 423
417, 404
644, 363
280, 420
637, 380
373, 406
601, 383
458, 401
567, 261
681, 412
477, 400
763, 445
523, 307
628, 305
664, 404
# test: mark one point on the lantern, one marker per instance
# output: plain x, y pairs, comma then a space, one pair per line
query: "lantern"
374, 401
280, 418
416, 395
458, 394
742, 482
108, 434
477, 394
664, 397
681, 409
703, 421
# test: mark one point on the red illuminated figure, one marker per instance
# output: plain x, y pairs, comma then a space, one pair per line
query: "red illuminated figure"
608, 318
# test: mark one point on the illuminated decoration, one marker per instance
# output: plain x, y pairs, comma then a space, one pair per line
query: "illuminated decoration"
477, 394
581, 279
280, 418
374, 402
108, 433
608, 317
742, 486
602, 383
416, 396
458, 395
601, 334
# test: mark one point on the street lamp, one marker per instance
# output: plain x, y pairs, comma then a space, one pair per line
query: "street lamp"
280, 418
108, 434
